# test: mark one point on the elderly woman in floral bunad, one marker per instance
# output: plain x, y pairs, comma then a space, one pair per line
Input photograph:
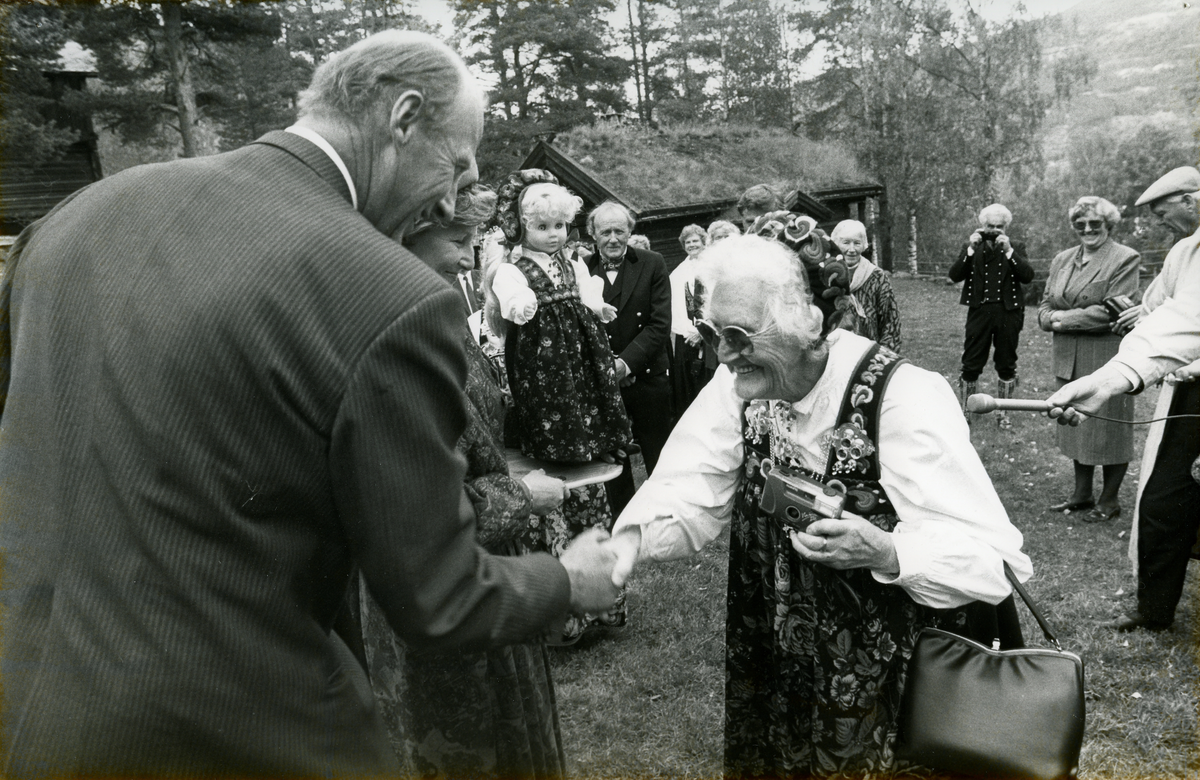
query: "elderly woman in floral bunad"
823, 613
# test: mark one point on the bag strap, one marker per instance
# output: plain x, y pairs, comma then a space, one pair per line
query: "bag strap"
1020, 589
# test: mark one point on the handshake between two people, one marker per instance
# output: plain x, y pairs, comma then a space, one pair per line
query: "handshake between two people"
598, 567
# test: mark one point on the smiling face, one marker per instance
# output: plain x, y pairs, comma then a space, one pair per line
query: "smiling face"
416, 177
447, 250
851, 244
1091, 229
773, 366
546, 234
693, 245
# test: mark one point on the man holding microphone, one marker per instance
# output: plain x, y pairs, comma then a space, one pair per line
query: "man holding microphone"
1163, 337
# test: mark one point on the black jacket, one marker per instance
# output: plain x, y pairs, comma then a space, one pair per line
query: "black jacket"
1016, 273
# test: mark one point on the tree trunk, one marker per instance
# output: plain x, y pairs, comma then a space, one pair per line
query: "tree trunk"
912, 245
649, 114
181, 76
637, 75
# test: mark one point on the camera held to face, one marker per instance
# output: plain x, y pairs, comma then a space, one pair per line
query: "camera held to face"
989, 235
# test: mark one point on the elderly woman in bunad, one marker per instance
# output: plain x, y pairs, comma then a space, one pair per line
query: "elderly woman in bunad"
870, 287
688, 374
821, 621
1072, 308
476, 714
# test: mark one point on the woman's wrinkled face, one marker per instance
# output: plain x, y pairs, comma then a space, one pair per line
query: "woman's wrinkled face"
1091, 229
851, 245
447, 250
693, 245
769, 367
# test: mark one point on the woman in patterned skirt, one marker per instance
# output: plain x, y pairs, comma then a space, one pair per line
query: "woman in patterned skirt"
823, 614
473, 714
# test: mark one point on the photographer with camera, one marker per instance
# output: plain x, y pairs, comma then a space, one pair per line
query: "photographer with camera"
992, 269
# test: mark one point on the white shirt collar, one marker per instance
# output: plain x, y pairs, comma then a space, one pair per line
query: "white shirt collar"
325, 146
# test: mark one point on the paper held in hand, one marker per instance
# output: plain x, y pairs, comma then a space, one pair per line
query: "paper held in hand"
573, 474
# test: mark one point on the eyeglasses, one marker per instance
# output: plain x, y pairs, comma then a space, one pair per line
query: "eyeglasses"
1084, 225
736, 338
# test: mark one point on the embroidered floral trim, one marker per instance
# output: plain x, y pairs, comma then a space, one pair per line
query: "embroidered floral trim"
850, 447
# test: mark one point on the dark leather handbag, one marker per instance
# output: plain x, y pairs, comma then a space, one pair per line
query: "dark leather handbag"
971, 710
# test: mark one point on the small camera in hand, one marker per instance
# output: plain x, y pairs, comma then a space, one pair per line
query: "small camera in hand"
1115, 305
989, 236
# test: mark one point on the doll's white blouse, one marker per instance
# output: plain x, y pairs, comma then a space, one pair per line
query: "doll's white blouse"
513, 292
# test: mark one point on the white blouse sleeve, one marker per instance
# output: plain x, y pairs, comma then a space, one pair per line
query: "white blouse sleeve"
682, 278
513, 293
591, 288
688, 500
954, 534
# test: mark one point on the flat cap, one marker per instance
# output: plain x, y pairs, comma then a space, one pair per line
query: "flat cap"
1185, 179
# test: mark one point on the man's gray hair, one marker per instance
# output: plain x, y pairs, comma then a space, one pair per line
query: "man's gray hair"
782, 278
361, 84
998, 209
608, 207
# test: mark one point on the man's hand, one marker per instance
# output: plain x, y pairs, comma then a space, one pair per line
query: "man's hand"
589, 565
608, 313
625, 545
694, 340
850, 542
1188, 373
1003, 242
1071, 404
1126, 320
545, 492
975, 238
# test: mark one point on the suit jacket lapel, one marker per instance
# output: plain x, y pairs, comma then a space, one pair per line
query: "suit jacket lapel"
311, 155
630, 273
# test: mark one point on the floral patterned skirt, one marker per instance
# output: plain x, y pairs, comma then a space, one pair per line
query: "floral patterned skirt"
815, 660
586, 507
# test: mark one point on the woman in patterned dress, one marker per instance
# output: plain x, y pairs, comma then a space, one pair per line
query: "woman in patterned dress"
473, 714
878, 316
823, 613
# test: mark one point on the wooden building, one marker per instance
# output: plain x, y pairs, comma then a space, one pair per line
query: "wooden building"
865, 201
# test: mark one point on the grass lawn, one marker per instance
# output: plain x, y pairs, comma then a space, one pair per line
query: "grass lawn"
647, 699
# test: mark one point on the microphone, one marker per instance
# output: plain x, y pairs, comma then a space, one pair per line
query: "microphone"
982, 403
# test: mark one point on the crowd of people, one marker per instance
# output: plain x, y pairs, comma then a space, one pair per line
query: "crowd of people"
256, 416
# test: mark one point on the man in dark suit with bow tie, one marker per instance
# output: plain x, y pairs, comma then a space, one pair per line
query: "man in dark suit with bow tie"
223, 386
636, 282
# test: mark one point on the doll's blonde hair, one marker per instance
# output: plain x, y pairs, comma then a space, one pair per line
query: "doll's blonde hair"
548, 201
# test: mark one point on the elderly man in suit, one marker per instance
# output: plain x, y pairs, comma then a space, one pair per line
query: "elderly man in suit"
637, 283
224, 386
992, 269
1164, 340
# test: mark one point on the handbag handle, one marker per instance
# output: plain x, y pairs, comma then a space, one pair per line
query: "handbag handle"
1020, 589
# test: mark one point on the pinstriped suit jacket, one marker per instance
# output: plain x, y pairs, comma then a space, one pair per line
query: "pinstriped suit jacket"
225, 388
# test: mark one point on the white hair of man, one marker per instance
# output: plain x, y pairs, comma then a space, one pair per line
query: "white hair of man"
780, 276
360, 85
609, 207
998, 210
849, 228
